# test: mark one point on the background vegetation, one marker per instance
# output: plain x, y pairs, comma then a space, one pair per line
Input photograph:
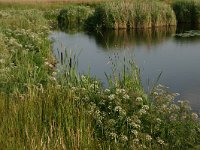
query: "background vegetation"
187, 11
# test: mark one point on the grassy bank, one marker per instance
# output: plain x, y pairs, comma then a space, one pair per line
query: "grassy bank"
36, 112
42, 108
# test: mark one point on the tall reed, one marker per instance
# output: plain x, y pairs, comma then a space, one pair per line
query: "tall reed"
133, 14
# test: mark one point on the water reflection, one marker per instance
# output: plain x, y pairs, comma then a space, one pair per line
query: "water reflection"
154, 51
115, 39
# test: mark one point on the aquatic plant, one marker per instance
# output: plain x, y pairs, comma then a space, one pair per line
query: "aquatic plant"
189, 34
133, 14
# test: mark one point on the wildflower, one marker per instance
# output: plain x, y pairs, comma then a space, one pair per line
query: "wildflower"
48, 64
136, 141
122, 113
145, 107
135, 132
118, 91
53, 78
172, 118
123, 138
73, 88
113, 135
92, 86
160, 141
139, 99
194, 116
158, 120
118, 109
126, 96
111, 97
123, 90
155, 93
142, 111
148, 137
164, 108
107, 90
137, 126
54, 73
174, 107
83, 78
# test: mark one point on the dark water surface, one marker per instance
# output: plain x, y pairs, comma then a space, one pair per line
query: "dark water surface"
154, 51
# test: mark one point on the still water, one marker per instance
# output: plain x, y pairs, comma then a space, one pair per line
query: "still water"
157, 51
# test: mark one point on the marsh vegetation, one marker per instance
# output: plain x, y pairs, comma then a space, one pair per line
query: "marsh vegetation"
45, 108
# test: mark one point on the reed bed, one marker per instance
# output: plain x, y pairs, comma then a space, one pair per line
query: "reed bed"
187, 11
133, 14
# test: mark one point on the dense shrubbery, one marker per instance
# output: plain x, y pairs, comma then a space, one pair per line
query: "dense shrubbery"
187, 11
74, 16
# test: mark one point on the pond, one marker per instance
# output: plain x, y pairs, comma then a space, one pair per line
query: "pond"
174, 52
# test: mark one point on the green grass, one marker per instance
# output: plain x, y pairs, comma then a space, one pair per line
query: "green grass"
44, 108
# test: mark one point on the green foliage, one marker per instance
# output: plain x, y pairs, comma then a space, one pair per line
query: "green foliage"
35, 110
45, 108
132, 14
187, 11
74, 16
